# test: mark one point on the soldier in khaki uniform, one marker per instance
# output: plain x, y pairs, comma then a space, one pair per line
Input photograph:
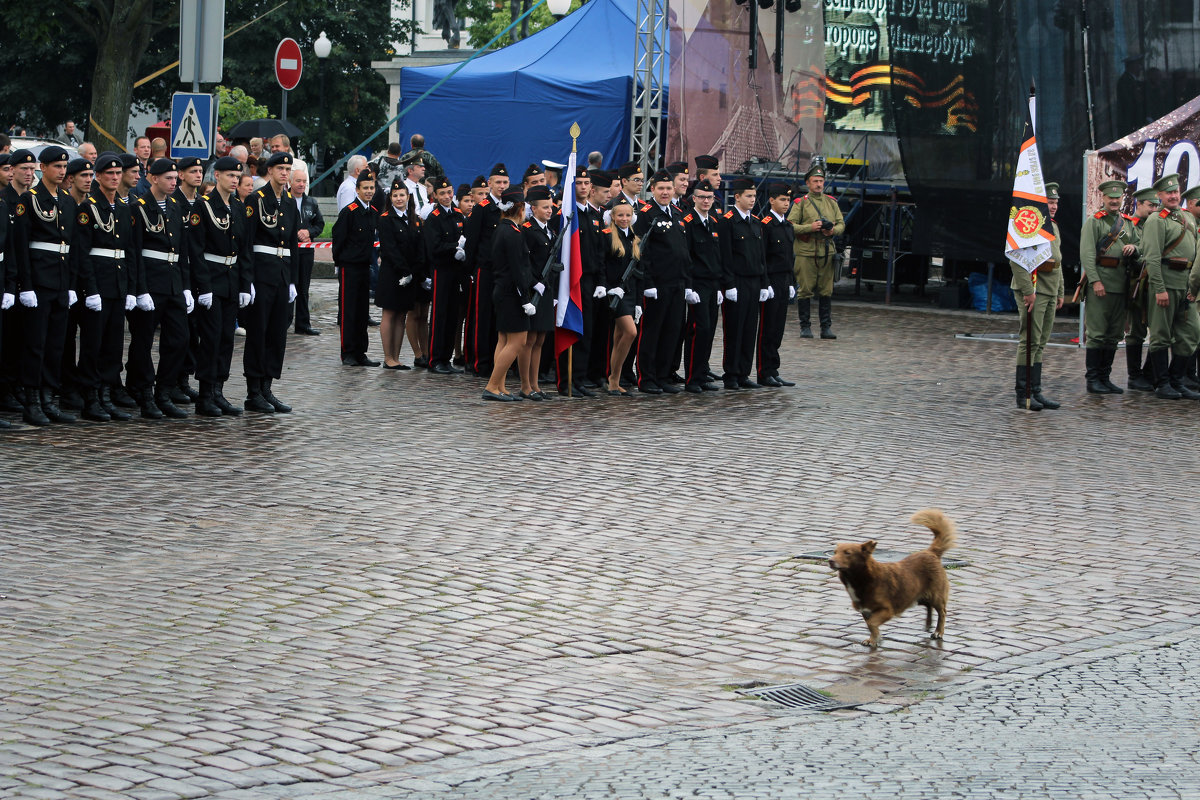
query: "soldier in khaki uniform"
1106, 244
1146, 203
1169, 245
816, 219
1041, 302
1192, 198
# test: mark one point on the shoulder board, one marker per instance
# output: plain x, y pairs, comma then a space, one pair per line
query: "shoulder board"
288, 194
1137, 221
754, 218
688, 218
1126, 216
353, 206
260, 193
526, 224
485, 201
645, 207
141, 201
766, 220
172, 199
800, 199
204, 197
1101, 214
437, 211
729, 214
1164, 213
385, 213
607, 230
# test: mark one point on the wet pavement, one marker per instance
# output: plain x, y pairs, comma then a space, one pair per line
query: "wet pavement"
398, 576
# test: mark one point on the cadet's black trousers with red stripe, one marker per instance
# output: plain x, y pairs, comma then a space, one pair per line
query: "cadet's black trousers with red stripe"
772, 317
699, 331
740, 320
444, 322
662, 320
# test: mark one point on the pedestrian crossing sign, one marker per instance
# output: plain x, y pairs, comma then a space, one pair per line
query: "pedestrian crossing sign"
193, 122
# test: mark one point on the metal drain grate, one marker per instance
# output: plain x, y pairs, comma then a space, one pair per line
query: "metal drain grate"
884, 555
797, 695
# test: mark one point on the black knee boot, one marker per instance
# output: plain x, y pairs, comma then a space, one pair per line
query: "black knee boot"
825, 312
1036, 378
1138, 380
1022, 383
1189, 375
1106, 362
804, 312
1162, 375
1177, 371
1094, 359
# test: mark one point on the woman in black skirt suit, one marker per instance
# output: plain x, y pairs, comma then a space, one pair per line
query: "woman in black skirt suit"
401, 270
539, 234
513, 280
622, 245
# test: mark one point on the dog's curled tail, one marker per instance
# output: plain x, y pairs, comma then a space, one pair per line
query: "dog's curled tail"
942, 526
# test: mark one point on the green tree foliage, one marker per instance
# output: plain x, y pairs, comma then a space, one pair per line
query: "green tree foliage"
234, 106
489, 17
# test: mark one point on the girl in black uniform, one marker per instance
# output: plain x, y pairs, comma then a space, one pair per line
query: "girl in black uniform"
512, 278
400, 271
539, 234
622, 246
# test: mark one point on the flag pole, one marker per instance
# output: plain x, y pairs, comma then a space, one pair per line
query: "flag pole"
1029, 351
575, 131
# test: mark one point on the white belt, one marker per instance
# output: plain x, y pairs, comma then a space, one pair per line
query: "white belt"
62, 248
228, 261
278, 252
159, 255
104, 252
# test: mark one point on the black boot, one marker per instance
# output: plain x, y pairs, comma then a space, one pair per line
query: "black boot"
1036, 377
1177, 371
227, 408
107, 404
803, 311
254, 399
50, 408
1189, 375
162, 399
31, 410
1162, 376
825, 313
122, 398
182, 392
145, 398
9, 402
1106, 362
1022, 383
92, 409
206, 405
1094, 359
279, 406
1133, 365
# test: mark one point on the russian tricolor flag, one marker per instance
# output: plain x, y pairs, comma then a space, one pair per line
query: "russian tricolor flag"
569, 317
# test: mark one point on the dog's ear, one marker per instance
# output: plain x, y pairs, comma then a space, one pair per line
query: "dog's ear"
869, 547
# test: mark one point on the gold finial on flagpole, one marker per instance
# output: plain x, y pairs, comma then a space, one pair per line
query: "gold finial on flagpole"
574, 136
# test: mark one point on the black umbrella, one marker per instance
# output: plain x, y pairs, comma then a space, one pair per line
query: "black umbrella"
263, 128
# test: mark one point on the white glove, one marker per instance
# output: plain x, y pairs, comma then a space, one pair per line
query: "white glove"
405, 281
600, 292
617, 292
427, 283
243, 299
253, 294
92, 301
72, 298
462, 242
651, 293
762, 295
637, 314
791, 293
540, 288
530, 309
206, 299
130, 302
731, 295
7, 301
29, 299
770, 292
189, 300
145, 302
292, 293
720, 298
460, 255
690, 297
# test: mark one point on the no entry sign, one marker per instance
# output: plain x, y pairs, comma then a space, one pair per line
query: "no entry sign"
289, 64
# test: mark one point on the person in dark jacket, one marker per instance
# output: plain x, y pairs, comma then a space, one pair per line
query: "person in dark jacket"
401, 271
708, 240
442, 234
512, 292
745, 284
353, 246
312, 225
778, 239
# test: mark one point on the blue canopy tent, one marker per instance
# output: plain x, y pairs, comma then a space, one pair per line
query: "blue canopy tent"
517, 104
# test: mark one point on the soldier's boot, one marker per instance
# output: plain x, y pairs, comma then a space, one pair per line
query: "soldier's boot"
1106, 364
279, 406
1094, 359
107, 404
1022, 383
162, 399
1189, 375
182, 391
804, 312
1036, 377
1133, 364
145, 398
31, 410
254, 399
227, 408
9, 401
1162, 376
825, 312
1177, 370
122, 398
71, 399
206, 404
93, 409
50, 408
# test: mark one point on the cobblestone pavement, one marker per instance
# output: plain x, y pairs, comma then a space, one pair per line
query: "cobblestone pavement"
398, 573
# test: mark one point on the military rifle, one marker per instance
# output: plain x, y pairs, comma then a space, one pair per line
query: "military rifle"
553, 265
632, 269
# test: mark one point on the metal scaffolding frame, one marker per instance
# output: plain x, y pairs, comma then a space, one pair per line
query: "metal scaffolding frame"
649, 84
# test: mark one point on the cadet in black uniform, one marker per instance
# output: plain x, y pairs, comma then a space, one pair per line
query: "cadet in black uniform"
73, 192
102, 253
600, 323
481, 328
777, 242
187, 192
745, 284
270, 248
708, 241
401, 271
591, 290
353, 246
512, 294
164, 295
442, 232
41, 245
666, 268
539, 232
221, 280
8, 278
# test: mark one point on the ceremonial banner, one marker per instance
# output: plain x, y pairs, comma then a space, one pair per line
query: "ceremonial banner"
569, 313
1029, 230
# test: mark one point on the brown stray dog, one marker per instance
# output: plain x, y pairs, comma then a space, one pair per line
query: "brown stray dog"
881, 591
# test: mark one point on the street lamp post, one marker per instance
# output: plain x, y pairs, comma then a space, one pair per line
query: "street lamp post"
558, 8
322, 47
